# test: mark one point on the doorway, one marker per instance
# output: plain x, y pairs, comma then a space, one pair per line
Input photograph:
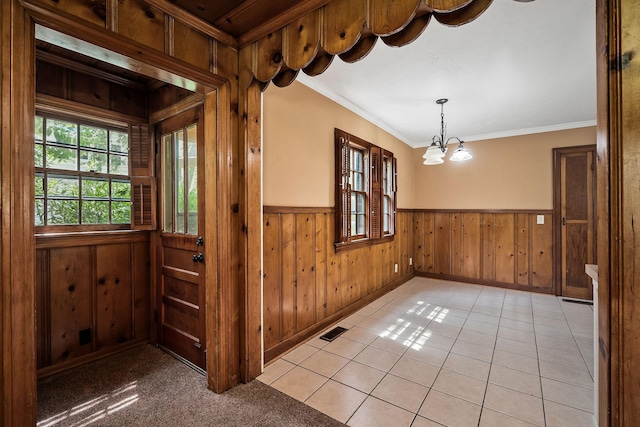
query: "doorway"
180, 244
574, 208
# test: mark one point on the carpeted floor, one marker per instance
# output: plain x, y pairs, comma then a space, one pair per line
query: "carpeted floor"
147, 387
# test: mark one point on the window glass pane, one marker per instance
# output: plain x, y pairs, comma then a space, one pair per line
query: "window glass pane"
167, 183
121, 190
118, 165
179, 180
38, 155
62, 158
93, 162
357, 182
385, 222
353, 202
118, 142
39, 185
62, 132
60, 212
360, 224
353, 225
38, 128
192, 177
93, 137
360, 203
62, 186
95, 189
95, 212
39, 220
120, 212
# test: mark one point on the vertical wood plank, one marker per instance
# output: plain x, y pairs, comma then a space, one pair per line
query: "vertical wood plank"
191, 46
113, 294
523, 231
320, 264
471, 245
272, 289
43, 308
344, 284
288, 268
418, 241
488, 247
429, 242
541, 253
142, 23
334, 294
457, 251
504, 229
442, 243
305, 277
141, 289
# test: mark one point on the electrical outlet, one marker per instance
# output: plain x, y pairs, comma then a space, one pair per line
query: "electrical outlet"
540, 219
410, 261
396, 267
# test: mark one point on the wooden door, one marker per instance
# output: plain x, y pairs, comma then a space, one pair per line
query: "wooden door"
574, 213
181, 249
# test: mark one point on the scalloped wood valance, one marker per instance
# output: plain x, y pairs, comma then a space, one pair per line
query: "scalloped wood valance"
349, 29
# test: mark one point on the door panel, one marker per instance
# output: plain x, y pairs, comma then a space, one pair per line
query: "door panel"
574, 207
181, 291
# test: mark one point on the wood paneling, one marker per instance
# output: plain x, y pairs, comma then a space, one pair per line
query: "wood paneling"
499, 248
93, 296
306, 284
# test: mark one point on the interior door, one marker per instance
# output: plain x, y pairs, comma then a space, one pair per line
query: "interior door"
181, 251
574, 208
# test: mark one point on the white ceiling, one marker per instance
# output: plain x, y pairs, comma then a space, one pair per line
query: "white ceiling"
519, 68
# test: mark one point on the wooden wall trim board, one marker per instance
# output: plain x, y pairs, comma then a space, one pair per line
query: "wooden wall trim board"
505, 285
295, 209
488, 211
51, 104
65, 240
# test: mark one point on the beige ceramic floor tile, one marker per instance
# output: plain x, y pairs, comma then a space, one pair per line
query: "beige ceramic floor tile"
377, 358
423, 422
299, 354
376, 413
563, 356
485, 328
491, 418
418, 372
344, 347
361, 335
516, 324
444, 330
515, 380
517, 335
436, 341
563, 416
566, 374
317, 342
472, 350
516, 361
336, 400
518, 347
430, 355
467, 366
567, 394
485, 340
484, 318
513, 403
324, 363
517, 315
299, 383
275, 370
461, 386
449, 411
396, 346
400, 392
359, 376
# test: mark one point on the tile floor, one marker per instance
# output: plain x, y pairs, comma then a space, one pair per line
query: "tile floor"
435, 353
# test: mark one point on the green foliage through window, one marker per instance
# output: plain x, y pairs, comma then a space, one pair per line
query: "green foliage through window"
82, 174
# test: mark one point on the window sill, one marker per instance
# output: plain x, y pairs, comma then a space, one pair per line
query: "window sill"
340, 247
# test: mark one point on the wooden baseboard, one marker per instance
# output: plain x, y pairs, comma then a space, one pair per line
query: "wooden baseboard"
514, 286
302, 336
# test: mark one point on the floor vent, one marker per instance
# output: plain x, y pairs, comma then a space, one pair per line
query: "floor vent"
578, 301
333, 334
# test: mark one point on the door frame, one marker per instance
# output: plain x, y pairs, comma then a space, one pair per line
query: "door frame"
557, 210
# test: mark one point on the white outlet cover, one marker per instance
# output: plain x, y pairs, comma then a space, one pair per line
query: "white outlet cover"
540, 219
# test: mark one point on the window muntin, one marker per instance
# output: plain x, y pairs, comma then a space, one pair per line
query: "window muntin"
82, 174
357, 182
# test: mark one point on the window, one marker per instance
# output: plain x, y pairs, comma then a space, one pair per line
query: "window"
81, 174
365, 192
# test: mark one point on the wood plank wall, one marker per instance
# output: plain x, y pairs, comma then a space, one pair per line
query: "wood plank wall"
507, 249
307, 285
93, 296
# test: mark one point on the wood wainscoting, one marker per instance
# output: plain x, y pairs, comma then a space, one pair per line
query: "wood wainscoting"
93, 296
498, 248
307, 285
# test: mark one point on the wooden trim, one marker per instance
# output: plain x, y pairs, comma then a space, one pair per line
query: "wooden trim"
86, 69
296, 209
194, 22
303, 8
66, 240
493, 283
181, 106
489, 211
53, 105
355, 244
291, 342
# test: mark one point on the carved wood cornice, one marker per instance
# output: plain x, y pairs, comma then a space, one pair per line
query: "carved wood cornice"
349, 29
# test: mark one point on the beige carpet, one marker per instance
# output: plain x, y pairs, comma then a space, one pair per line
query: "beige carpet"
147, 387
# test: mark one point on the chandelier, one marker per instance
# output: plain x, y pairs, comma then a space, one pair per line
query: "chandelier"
438, 149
